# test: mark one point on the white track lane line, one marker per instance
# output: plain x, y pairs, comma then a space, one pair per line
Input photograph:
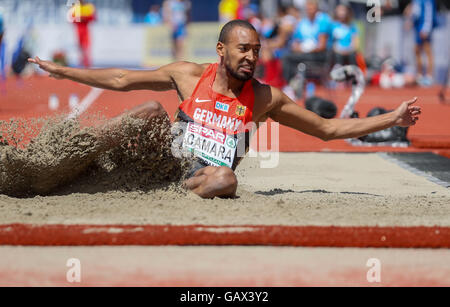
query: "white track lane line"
85, 103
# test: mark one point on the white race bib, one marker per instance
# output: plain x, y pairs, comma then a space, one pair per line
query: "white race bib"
212, 146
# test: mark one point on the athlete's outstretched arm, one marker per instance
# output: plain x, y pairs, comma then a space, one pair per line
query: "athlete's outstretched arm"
288, 113
118, 79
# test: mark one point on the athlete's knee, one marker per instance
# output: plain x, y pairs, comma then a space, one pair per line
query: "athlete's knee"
154, 108
226, 180
222, 183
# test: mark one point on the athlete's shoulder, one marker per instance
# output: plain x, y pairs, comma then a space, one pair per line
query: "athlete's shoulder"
258, 86
187, 68
265, 93
264, 90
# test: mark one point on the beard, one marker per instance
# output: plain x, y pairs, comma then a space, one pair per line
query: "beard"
237, 75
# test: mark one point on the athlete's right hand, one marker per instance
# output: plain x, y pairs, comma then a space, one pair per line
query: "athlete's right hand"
48, 66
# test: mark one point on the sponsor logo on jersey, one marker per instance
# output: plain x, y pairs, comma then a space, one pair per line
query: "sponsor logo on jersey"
217, 120
197, 100
222, 106
208, 133
240, 110
231, 142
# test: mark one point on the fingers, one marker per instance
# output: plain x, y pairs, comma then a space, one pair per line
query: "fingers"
414, 110
414, 120
410, 102
36, 60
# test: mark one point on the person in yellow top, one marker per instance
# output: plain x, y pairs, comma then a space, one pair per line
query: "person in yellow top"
82, 14
228, 10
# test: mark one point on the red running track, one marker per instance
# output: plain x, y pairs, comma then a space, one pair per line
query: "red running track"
306, 236
29, 98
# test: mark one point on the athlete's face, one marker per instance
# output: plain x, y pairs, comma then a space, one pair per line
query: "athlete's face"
240, 53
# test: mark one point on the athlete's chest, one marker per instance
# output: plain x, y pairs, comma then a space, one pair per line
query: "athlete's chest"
207, 103
185, 87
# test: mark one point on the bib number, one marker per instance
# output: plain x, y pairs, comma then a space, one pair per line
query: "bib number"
212, 146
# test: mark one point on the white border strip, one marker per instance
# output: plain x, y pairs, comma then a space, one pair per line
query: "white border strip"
85, 103
414, 170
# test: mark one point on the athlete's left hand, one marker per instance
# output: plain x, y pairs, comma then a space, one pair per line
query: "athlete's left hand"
52, 68
406, 114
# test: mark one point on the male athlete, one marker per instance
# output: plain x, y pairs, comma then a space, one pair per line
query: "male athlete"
219, 100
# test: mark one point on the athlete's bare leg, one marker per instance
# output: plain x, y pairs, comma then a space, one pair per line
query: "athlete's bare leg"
146, 111
178, 49
430, 59
441, 94
418, 51
210, 182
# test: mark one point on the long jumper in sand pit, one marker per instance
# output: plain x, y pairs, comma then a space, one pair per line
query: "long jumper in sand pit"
218, 101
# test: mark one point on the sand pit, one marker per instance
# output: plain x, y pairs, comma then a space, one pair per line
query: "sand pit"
305, 189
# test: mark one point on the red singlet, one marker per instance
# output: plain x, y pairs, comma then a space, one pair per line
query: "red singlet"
217, 127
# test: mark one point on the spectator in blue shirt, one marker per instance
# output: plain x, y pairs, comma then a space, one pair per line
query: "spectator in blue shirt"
1, 27
309, 41
2, 50
344, 36
153, 17
423, 16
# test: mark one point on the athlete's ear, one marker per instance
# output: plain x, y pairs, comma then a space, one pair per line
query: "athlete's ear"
220, 49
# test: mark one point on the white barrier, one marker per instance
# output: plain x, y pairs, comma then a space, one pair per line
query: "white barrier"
133, 45
138, 45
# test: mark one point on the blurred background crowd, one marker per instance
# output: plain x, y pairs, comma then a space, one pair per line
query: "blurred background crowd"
395, 43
